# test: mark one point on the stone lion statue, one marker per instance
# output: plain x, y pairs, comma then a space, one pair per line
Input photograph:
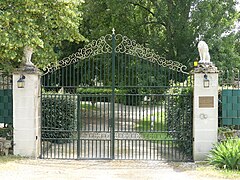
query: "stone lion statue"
203, 52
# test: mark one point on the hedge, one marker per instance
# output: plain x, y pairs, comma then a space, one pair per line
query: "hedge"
179, 117
123, 96
58, 116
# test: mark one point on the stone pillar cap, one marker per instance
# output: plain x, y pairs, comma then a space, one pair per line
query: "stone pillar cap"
206, 68
29, 69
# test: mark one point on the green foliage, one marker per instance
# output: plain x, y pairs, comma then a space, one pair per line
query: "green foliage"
172, 28
133, 97
225, 51
179, 115
41, 25
113, 14
7, 132
226, 154
94, 90
153, 131
95, 94
58, 116
86, 106
227, 132
124, 96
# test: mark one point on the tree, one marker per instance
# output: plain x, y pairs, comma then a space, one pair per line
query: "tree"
225, 52
40, 25
171, 27
99, 17
214, 22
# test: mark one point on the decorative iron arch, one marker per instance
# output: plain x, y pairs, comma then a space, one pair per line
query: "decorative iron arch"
124, 45
131, 47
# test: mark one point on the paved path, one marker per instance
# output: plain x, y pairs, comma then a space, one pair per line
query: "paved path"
99, 170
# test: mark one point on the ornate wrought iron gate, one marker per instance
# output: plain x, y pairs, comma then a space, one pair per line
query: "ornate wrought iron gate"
115, 99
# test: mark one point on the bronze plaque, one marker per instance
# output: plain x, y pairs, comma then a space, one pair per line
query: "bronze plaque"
206, 102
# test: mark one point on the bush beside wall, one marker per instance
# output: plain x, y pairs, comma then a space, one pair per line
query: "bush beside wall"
179, 117
58, 116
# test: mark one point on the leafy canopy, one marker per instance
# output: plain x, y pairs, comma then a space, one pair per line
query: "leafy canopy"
171, 27
40, 24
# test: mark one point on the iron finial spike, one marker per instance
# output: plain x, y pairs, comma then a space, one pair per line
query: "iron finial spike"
113, 31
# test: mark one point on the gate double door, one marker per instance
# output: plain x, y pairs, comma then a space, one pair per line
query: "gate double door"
115, 99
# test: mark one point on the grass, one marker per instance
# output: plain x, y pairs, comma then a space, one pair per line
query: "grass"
203, 169
154, 130
5, 159
211, 171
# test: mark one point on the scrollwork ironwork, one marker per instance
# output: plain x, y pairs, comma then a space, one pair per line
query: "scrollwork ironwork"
131, 47
94, 48
124, 45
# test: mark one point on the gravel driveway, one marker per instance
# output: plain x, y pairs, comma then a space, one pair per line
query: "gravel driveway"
29, 169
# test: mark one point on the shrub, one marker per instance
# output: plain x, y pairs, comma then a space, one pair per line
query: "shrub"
58, 116
95, 94
226, 154
227, 132
179, 116
123, 96
7, 132
133, 97
94, 90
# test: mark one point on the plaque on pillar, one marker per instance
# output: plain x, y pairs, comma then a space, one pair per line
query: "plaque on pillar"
206, 102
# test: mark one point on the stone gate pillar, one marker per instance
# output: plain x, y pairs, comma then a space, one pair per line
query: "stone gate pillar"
26, 112
205, 110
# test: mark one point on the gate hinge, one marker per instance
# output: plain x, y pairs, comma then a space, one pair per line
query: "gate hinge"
193, 139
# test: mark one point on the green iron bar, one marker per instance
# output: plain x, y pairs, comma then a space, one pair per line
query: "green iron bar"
113, 96
78, 125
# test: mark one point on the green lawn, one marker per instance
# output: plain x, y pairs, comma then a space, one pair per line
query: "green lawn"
153, 127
